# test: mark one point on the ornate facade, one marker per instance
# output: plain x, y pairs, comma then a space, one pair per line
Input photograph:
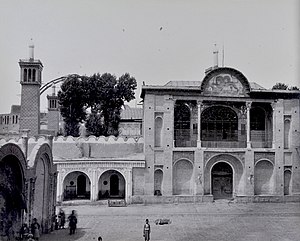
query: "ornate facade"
223, 137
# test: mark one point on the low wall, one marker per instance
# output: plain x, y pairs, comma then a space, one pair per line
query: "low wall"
267, 199
170, 199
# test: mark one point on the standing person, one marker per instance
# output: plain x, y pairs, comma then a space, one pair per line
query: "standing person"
35, 229
24, 232
146, 232
62, 218
100, 238
72, 222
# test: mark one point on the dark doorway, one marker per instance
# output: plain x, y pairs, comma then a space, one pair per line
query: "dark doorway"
287, 182
114, 185
81, 186
222, 179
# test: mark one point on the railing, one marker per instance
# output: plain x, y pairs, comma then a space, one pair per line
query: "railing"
185, 138
224, 144
260, 139
222, 139
212, 139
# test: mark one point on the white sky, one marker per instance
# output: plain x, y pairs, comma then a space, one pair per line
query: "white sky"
261, 39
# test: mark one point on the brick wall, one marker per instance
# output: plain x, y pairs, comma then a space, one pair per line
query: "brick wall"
30, 108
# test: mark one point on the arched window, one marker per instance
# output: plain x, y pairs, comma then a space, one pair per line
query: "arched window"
25, 75
287, 126
287, 182
33, 75
158, 131
219, 123
158, 178
29, 75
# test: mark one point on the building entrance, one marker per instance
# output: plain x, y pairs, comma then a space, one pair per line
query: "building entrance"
222, 179
111, 185
114, 185
81, 185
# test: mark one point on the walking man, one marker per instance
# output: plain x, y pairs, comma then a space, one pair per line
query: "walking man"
146, 232
72, 222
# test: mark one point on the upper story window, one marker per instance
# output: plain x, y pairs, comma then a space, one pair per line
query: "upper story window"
25, 77
182, 124
33, 75
219, 123
257, 119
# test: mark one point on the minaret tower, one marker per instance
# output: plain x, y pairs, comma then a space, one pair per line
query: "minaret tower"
53, 112
31, 79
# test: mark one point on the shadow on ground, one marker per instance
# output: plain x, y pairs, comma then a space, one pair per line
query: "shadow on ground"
63, 234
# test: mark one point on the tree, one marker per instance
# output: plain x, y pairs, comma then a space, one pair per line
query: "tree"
72, 100
103, 94
107, 96
95, 125
293, 88
280, 86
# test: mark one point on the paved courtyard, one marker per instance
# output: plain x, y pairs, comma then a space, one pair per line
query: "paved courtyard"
192, 222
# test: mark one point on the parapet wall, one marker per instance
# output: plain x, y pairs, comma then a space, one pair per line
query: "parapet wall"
92, 147
79, 147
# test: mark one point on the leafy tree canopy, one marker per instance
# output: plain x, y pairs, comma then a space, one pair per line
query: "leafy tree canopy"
279, 86
293, 88
282, 86
103, 94
72, 99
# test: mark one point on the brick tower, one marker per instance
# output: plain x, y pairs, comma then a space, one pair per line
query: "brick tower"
53, 112
31, 79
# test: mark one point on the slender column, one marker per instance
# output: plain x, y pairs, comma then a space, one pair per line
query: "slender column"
93, 186
248, 106
25, 142
59, 187
128, 183
273, 124
199, 104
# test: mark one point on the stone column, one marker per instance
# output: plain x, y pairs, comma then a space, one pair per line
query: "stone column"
128, 190
27, 196
59, 187
31, 200
24, 147
273, 105
248, 106
49, 139
199, 105
94, 186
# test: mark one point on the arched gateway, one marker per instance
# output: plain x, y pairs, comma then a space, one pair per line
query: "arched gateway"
222, 180
12, 176
76, 185
111, 185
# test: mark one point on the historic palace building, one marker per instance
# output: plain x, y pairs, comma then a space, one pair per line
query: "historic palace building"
222, 137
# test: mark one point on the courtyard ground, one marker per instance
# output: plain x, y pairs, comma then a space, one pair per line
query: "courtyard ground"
219, 220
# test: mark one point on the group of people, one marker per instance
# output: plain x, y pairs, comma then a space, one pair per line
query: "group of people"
32, 233
60, 220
